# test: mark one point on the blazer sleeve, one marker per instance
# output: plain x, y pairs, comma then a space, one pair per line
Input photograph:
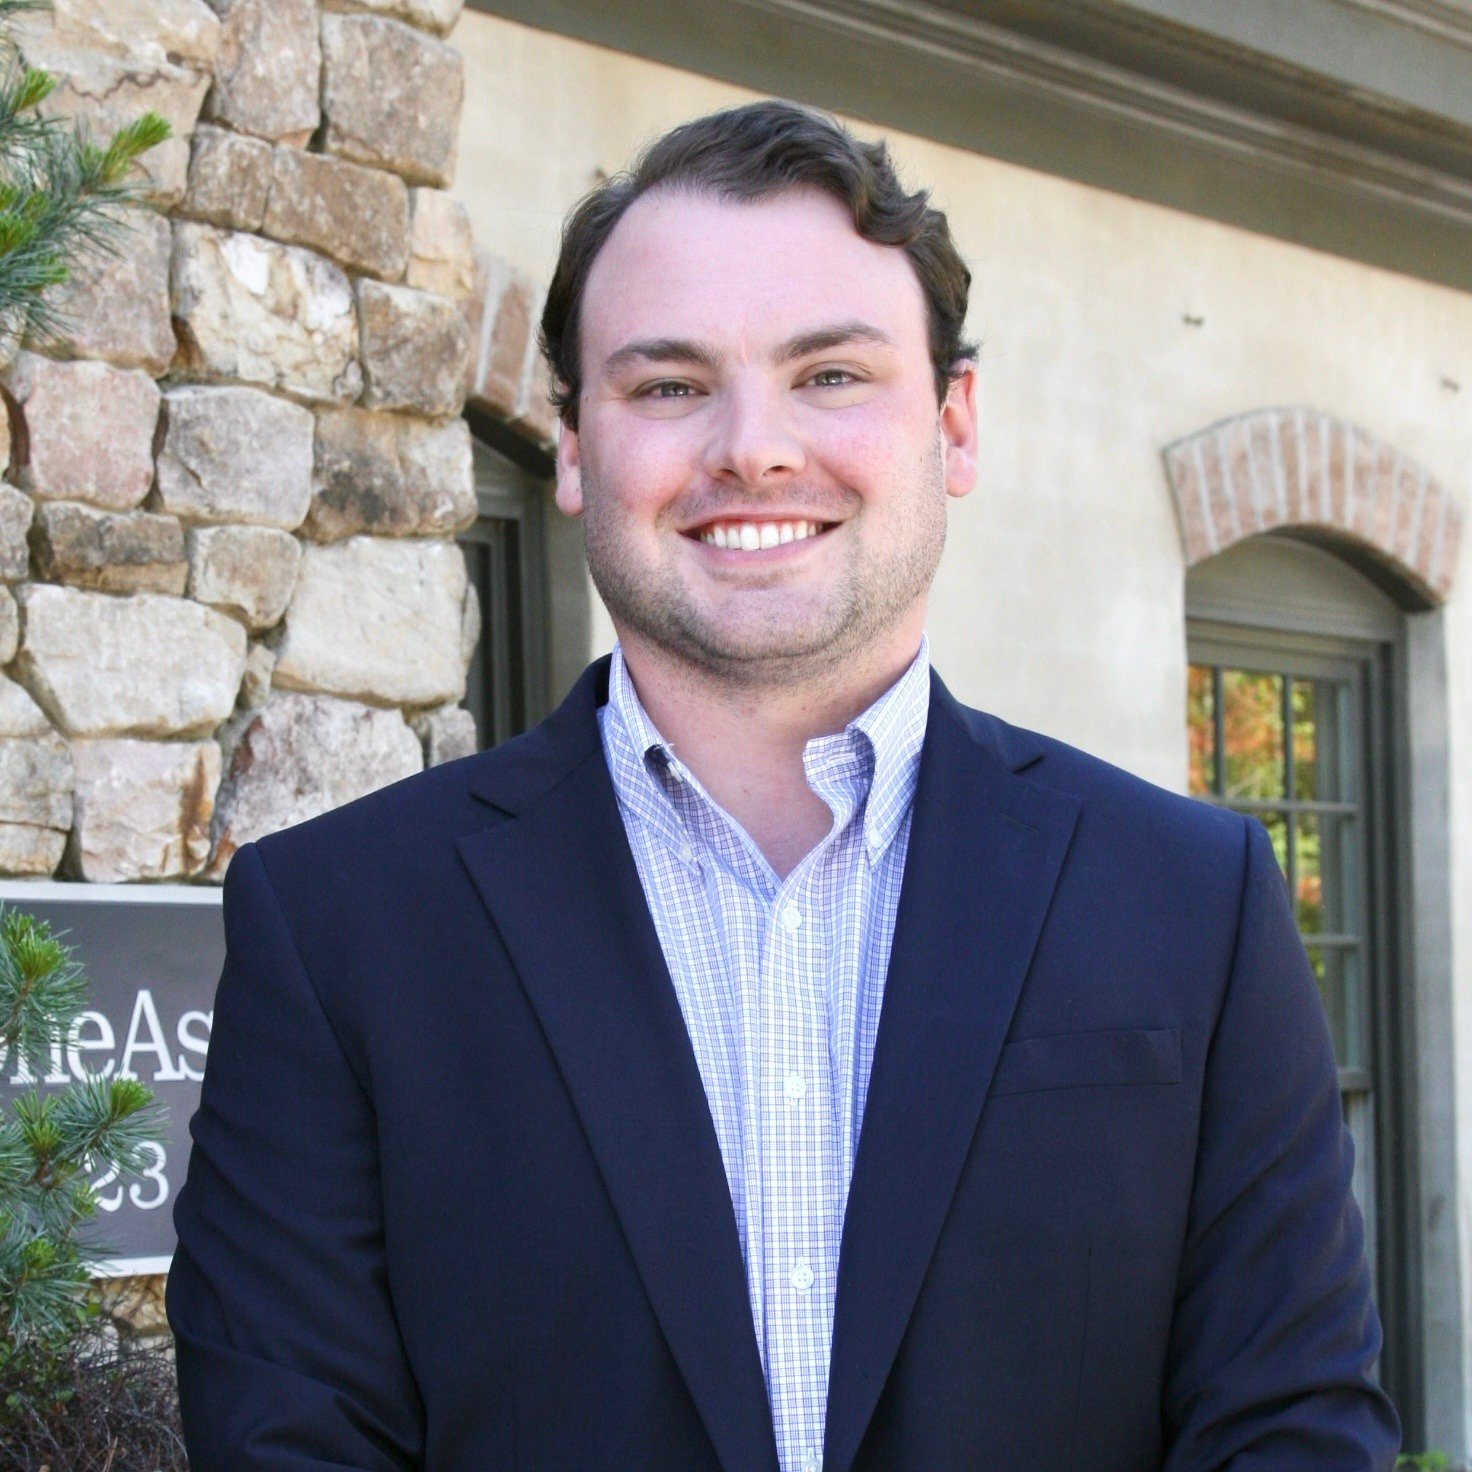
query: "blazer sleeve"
289, 1356
1274, 1332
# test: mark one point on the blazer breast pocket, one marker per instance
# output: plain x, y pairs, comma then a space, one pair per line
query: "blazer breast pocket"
1084, 1060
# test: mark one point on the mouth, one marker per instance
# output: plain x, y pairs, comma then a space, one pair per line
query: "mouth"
757, 536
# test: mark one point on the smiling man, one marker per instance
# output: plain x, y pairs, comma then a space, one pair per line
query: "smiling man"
768, 1062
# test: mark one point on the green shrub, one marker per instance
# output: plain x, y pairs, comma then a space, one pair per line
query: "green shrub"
112, 1406
50, 1143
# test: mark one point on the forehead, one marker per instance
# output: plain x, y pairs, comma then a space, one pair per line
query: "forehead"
692, 265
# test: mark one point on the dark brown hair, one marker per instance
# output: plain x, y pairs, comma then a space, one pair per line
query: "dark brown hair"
749, 153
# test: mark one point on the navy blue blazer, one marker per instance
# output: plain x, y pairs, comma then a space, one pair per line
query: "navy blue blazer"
456, 1202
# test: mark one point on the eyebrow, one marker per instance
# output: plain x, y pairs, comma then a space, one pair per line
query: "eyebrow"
702, 355
660, 350
822, 339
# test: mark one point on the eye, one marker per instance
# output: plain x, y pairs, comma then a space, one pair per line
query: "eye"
831, 378
667, 388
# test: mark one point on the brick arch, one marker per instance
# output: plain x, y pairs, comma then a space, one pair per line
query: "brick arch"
508, 376
1302, 468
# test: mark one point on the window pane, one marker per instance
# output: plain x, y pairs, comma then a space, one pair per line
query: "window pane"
1308, 903
1327, 873
1253, 735
1201, 730
1337, 971
1319, 722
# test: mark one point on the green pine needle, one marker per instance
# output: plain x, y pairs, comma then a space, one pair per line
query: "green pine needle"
63, 195
130, 142
36, 951
41, 986
54, 1144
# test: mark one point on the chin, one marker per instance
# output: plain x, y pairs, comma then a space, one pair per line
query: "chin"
768, 651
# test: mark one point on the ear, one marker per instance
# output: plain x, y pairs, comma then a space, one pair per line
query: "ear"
569, 470
959, 430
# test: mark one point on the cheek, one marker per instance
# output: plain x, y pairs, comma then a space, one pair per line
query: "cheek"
873, 455
642, 471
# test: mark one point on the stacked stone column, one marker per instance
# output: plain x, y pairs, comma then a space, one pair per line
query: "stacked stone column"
232, 598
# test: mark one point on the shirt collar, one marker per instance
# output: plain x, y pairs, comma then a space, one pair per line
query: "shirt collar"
627, 709
630, 742
894, 726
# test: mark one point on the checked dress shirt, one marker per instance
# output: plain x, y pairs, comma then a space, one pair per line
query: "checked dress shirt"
780, 983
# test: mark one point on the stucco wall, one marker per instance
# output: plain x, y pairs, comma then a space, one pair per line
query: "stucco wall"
1110, 328
1088, 368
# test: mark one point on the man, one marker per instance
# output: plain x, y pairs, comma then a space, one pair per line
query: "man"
768, 1062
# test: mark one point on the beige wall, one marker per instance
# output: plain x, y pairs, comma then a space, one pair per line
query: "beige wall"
1068, 551
1059, 603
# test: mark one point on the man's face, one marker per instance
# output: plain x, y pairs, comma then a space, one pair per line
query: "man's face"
760, 459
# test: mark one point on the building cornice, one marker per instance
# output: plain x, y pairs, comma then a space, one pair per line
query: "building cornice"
1145, 98
1447, 20
1059, 74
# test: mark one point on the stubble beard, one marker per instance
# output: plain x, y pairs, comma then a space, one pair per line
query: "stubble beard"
772, 646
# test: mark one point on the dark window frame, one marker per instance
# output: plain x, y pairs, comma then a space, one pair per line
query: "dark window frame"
1389, 1009
507, 683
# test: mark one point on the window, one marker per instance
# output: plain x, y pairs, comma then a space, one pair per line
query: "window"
1282, 732
506, 686
1295, 714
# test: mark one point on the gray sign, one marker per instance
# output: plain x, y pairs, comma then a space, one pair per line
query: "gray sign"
152, 957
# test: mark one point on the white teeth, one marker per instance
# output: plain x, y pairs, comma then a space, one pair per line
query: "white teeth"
750, 536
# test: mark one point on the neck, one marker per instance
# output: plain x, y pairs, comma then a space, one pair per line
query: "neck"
745, 741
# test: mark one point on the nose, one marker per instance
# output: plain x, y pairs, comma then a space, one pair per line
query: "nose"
752, 439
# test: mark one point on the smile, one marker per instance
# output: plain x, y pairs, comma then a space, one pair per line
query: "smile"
754, 536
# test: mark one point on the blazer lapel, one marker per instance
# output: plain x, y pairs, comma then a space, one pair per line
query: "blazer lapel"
560, 883
985, 850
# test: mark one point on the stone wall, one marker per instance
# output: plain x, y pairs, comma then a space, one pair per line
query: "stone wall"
231, 594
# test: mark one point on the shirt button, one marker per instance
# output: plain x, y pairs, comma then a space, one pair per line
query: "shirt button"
791, 917
795, 1086
801, 1276
687, 854
810, 1464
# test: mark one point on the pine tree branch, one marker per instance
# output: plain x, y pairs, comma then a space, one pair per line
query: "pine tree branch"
41, 985
108, 1121
62, 195
51, 1143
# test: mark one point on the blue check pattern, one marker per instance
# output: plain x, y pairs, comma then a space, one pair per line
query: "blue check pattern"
780, 982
